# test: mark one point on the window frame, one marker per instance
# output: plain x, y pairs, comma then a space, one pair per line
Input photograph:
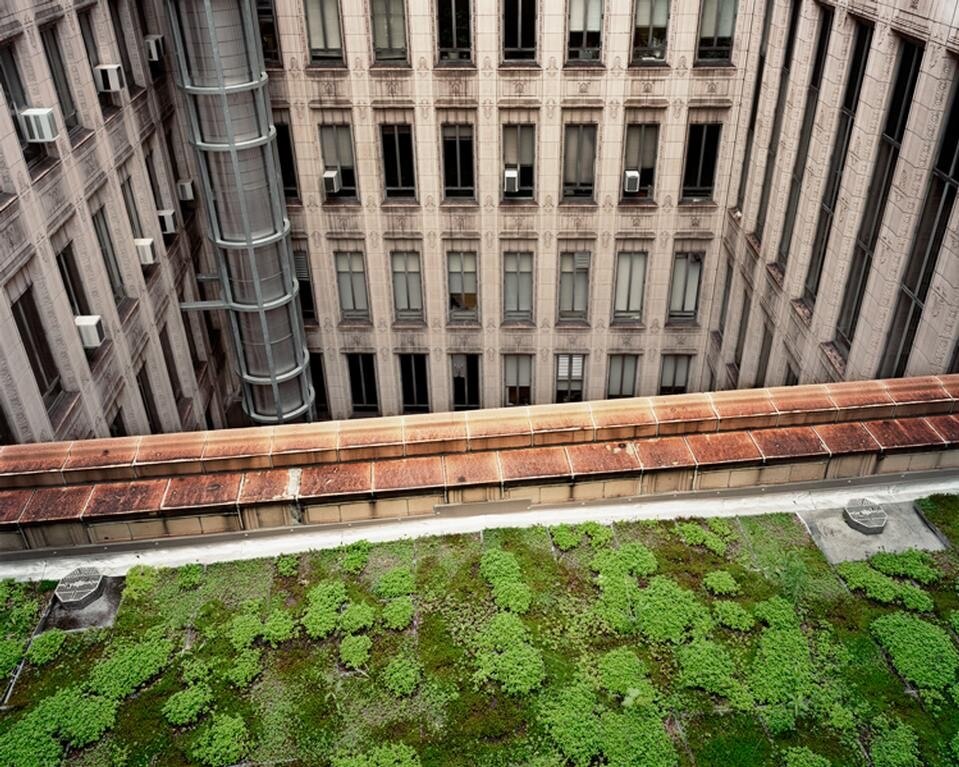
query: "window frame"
266, 17
352, 314
458, 134
101, 227
582, 52
517, 314
389, 56
687, 364
11, 84
636, 51
646, 192
72, 281
701, 192
286, 156
419, 384
627, 315
50, 42
622, 358
394, 131
578, 190
519, 361
683, 314
532, 51
410, 278
462, 313
523, 191
453, 53
467, 358
325, 56
336, 129
709, 58
565, 385
365, 363
578, 273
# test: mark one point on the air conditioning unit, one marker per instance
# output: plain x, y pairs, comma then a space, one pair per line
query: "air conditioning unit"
90, 327
108, 78
331, 181
511, 180
167, 221
184, 190
39, 126
631, 181
145, 250
154, 48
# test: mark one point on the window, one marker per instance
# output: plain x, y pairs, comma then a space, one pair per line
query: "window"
336, 144
743, 328
518, 287
323, 28
35, 344
398, 160
724, 303
407, 291
466, 387
519, 30
105, 242
580, 155
458, 160
805, 135
156, 68
716, 31
416, 393
150, 163
351, 281
937, 208
117, 427
146, 394
16, 97
72, 283
519, 153
51, 48
684, 291
453, 26
585, 30
93, 57
569, 377
170, 362
639, 166
362, 370
702, 150
463, 286
284, 149
630, 282
321, 403
301, 266
764, 349
622, 376
7, 436
518, 372
573, 286
837, 161
120, 32
675, 374
389, 30
883, 172
130, 205
649, 32
792, 377
754, 109
269, 36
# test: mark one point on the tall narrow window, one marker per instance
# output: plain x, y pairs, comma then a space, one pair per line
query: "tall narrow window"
323, 25
684, 291
72, 282
702, 150
937, 207
837, 161
398, 160
649, 32
764, 348
805, 135
117, 427
519, 155
585, 30
519, 30
130, 205
16, 97
630, 283
883, 172
622, 376
407, 289
569, 377
453, 27
37, 347
518, 287
754, 109
578, 160
51, 48
351, 281
389, 30
743, 329
413, 381
120, 33
321, 401
724, 302
458, 161
362, 370
674, 378
85, 18
792, 377
466, 381
149, 405
336, 144
301, 266
170, 361
284, 149
518, 377
573, 286
716, 26
150, 162
464, 304
105, 242
639, 166
269, 36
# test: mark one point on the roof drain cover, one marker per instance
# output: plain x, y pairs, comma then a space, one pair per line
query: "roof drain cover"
865, 516
79, 588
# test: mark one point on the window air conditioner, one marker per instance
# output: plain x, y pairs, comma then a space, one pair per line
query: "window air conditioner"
511, 180
154, 48
108, 78
184, 190
631, 181
331, 181
90, 327
39, 125
167, 221
145, 250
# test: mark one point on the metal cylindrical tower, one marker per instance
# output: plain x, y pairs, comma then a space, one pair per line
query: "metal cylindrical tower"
221, 72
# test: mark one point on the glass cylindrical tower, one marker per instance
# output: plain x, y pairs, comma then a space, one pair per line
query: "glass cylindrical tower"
221, 72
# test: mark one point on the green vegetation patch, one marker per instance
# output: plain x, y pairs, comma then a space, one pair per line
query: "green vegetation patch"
501, 570
506, 655
915, 565
733, 615
45, 647
922, 652
709, 666
721, 583
715, 535
859, 576
666, 612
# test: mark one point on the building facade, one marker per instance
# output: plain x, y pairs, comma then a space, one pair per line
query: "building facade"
508, 203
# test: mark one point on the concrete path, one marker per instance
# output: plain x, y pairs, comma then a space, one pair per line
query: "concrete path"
807, 497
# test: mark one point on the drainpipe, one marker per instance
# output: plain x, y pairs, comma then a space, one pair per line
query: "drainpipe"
221, 74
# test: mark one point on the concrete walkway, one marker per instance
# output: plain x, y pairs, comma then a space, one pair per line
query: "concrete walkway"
806, 497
